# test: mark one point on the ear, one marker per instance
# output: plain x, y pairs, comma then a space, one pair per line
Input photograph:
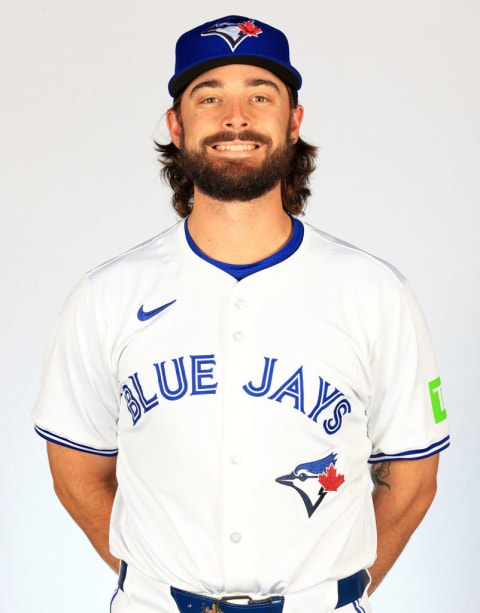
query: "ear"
296, 122
174, 127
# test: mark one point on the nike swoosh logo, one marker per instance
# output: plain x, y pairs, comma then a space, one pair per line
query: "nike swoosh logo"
145, 315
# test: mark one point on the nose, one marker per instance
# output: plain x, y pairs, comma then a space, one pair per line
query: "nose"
236, 115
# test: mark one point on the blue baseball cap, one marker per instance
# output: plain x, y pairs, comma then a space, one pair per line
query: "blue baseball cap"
232, 40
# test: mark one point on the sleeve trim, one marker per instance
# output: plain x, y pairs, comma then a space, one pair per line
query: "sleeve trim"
60, 440
413, 454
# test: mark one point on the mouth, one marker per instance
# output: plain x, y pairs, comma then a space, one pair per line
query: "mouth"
235, 147
243, 143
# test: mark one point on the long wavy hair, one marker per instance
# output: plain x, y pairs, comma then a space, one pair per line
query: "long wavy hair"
295, 189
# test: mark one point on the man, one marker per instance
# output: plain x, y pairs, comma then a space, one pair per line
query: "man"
213, 399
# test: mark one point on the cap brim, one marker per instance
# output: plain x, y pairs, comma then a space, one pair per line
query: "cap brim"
285, 73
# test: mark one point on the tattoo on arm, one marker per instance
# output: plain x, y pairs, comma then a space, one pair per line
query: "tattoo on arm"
380, 472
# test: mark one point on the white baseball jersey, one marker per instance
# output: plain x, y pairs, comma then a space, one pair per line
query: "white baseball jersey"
244, 413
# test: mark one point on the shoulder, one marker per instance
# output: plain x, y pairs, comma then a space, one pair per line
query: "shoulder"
154, 251
344, 261
109, 292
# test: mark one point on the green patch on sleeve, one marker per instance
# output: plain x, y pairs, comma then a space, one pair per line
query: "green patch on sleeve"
438, 408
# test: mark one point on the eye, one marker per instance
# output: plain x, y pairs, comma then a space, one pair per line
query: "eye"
260, 98
209, 100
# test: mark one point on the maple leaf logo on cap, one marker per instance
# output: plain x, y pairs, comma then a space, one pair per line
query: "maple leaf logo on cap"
250, 28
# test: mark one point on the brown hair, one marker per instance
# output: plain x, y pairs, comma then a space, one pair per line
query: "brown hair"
295, 185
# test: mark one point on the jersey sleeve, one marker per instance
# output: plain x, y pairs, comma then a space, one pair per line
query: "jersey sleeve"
406, 416
77, 405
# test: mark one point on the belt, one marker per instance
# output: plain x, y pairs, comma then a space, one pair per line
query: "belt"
196, 603
349, 589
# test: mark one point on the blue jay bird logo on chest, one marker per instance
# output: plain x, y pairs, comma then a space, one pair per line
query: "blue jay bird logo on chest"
314, 480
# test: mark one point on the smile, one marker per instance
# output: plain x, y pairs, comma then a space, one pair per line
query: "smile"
235, 147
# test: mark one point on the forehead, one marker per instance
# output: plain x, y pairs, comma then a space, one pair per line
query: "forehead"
234, 75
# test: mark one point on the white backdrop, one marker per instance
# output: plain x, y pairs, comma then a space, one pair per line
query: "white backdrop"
392, 96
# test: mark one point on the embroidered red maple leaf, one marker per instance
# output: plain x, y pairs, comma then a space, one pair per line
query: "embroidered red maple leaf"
250, 28
330, 479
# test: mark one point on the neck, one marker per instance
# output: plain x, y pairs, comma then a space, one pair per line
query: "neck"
239, 232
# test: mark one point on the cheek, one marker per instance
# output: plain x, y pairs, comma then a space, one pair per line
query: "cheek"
192, 144
194, 131
277, 127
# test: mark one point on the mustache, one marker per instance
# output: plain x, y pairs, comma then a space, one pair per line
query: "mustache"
244, 135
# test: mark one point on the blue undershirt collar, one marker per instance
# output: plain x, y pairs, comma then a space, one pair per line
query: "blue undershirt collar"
240, 271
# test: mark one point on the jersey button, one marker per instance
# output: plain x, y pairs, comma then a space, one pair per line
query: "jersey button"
240, 304
236, 459
235, 537
238, 336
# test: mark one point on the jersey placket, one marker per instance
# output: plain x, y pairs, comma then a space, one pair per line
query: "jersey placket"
237, 431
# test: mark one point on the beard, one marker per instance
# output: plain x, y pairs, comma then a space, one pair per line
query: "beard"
231, 180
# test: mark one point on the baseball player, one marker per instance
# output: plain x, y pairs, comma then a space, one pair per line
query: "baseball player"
243, 413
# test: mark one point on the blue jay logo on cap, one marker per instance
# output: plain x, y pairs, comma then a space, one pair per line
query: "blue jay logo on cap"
233, 33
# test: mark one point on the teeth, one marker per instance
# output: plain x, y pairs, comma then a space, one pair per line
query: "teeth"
235, 147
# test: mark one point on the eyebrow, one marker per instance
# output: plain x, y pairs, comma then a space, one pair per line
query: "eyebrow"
203, 84
260, 82
216, 83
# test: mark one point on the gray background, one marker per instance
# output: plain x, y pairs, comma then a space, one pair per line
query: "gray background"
392, 97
